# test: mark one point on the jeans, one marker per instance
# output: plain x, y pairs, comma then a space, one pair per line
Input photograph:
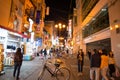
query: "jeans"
104, 73
111, 69
95, 70
80, 66
17, 66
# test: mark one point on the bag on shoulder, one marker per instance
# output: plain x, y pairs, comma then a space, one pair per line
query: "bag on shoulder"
17, 58
117, 73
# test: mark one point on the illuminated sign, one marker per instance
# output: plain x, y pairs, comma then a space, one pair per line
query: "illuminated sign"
38, 17
39, 42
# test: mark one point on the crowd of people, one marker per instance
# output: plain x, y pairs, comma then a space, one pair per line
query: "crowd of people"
52, 52
102, 63
43, 53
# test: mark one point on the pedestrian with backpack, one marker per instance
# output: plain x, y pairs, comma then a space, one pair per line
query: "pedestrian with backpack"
18, 58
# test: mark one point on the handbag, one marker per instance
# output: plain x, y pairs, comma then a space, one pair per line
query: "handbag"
117, 73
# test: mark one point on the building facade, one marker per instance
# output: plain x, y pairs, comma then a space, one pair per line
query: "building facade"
98, 26
21, 24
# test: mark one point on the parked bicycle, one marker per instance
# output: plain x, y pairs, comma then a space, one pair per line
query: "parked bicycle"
60, 72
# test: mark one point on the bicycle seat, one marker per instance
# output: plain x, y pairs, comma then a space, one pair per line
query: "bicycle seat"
58, 62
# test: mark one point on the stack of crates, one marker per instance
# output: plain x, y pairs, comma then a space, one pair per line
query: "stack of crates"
1, 58
8, 61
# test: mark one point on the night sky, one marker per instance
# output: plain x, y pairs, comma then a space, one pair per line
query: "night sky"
59, 10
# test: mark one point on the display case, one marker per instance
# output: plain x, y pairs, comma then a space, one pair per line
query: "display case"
29, 54
1, 59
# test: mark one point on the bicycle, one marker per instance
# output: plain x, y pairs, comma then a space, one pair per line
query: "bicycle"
60, 72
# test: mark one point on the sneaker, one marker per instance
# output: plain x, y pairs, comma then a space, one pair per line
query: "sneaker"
78, 74
18, 78
112, 78
81, 73
13, 75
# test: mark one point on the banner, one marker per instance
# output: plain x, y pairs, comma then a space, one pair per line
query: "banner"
38, 17
39, 42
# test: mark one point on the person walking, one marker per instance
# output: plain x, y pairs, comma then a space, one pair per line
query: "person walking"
95, 62
104, 64
111, 65
80, 60
89, 54
45, 53
18, 58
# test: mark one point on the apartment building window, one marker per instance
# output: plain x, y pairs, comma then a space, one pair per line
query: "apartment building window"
118, 30
75, 20
87, 6
99, 23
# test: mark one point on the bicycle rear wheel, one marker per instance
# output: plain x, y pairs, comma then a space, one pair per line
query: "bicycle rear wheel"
40, 77
63, 74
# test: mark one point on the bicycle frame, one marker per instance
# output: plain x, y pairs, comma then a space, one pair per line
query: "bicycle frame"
50, 71
56, 72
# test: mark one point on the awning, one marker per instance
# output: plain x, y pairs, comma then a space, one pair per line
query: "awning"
22, 35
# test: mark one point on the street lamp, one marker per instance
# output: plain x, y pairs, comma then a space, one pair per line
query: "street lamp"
56, 26
63, 26
60, 30
59, 27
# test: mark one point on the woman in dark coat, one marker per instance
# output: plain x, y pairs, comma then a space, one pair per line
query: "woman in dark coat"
18, 58
80, 59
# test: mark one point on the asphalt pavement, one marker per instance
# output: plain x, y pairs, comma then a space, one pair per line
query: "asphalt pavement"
31, 69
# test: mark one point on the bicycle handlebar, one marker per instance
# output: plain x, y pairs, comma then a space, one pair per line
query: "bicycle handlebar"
56, 62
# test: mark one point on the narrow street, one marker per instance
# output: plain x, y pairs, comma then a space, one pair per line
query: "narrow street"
31, 69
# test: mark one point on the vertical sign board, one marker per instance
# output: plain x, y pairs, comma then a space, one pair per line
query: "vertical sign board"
39, 42
38, 17
70, 29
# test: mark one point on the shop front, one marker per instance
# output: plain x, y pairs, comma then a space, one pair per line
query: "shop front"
10, 41
99, 40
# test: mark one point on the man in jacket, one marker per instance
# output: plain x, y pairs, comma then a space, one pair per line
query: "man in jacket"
95, 65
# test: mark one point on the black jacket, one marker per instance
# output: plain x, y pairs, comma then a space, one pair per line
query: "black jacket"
95, 60
82, 56
18, 57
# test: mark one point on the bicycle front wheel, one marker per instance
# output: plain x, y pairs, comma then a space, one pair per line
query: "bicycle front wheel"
63, 74
40, 77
